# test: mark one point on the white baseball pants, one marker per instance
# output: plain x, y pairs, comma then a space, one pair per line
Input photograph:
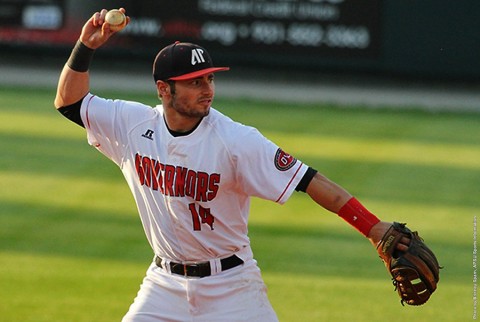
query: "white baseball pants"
237, 294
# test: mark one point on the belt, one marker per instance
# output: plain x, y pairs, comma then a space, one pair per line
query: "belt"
199, 269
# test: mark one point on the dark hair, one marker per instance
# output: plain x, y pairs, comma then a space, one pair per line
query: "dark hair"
171, 83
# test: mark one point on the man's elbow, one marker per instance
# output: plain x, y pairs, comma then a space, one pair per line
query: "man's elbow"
58, 102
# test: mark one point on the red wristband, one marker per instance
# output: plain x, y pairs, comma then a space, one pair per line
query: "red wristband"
358, 216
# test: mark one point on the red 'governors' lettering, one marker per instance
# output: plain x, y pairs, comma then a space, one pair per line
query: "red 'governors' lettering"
176, 181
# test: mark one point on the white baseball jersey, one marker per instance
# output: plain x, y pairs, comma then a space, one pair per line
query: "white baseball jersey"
193, 191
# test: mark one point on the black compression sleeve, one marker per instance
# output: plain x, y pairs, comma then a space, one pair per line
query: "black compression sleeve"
72, 112
307, 177
80, 58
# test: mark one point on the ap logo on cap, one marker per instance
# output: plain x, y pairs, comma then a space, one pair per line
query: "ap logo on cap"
182, 61
197, 56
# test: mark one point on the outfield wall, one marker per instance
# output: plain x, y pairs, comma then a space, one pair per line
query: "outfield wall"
422, 38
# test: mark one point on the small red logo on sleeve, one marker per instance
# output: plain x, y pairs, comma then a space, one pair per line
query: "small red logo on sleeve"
284, 161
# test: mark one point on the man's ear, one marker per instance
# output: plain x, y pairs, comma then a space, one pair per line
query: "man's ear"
162, 88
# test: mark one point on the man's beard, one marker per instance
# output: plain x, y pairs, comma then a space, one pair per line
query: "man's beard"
186, 112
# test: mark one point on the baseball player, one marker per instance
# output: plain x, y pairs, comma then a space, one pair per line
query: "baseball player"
192, 171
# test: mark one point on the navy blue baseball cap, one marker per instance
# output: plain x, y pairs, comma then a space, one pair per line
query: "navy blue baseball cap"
182, 61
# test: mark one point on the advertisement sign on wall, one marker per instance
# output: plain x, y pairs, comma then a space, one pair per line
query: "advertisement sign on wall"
346, 28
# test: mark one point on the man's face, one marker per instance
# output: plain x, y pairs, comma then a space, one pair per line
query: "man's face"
192, 98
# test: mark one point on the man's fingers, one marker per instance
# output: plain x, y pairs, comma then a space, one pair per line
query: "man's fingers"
405, 240
99, 18
402, 247
403, 244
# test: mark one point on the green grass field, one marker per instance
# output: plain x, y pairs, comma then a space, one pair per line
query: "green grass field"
72, 247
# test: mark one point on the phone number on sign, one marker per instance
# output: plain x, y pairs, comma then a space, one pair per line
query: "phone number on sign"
295, 34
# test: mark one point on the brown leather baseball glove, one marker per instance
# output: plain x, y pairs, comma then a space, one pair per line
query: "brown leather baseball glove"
415, 272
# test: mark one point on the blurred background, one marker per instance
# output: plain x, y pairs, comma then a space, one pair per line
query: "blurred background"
372, 52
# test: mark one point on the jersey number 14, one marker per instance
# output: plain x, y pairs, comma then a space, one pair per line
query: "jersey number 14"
201, 216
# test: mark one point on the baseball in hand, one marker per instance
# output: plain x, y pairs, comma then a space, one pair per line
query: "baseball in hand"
116, 19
